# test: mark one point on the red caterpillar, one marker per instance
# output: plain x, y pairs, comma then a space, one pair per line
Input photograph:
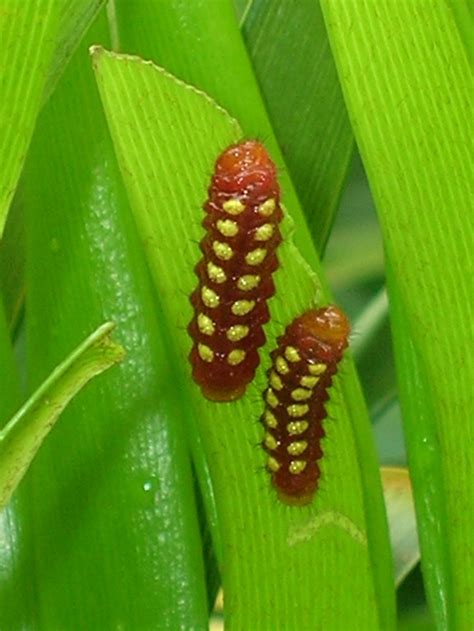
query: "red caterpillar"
235, 273
303, 366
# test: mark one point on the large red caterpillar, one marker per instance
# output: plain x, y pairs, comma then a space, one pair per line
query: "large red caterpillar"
303, 365
235, 273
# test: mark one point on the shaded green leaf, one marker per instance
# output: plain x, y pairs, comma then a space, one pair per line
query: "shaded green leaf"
301, 90
9, 383
12, 264
388, 432
9, 403
75, 16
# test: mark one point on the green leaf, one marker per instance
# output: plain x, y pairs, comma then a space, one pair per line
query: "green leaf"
423, 452
408, 92
354, 256
167, 136
75, 16
28, 32
9, 383
37, 37
419, 620
105, 532
9, 403
463, 15
301, 90
372, 347
214, 59
23, 435
12, 264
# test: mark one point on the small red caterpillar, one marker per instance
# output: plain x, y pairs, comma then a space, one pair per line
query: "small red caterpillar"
303, 365
235, 273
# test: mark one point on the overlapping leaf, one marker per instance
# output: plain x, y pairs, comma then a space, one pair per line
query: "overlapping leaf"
109, 501
408, 86
152, 117
289, 49
37, 37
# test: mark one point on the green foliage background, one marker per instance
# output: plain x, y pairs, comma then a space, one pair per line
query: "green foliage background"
112, 527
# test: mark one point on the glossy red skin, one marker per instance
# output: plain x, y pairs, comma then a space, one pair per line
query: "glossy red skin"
320, 336
245, 172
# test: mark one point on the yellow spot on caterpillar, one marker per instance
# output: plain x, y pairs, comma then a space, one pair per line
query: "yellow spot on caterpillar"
223, 251
255, 257
210, 298
242, 307
237, 332
248, 282
301, 394
205, 353
266, 209
236, 357
297, 409
216, 273
297, 448
297, 466
275, 381
297, 427
271, 398
227, 227
205, 324
263, 233
270, 420
281, 366
233, 207
270, 441
292, 354
273, 465
309, 382
317, 369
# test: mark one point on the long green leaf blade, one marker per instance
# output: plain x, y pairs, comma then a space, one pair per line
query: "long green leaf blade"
37, 39
215, 60
23, 435
167, 136
28, 32
304, 101
108, 535
408, 87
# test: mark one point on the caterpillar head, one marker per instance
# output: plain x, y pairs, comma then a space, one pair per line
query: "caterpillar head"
245, 168
321, 332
